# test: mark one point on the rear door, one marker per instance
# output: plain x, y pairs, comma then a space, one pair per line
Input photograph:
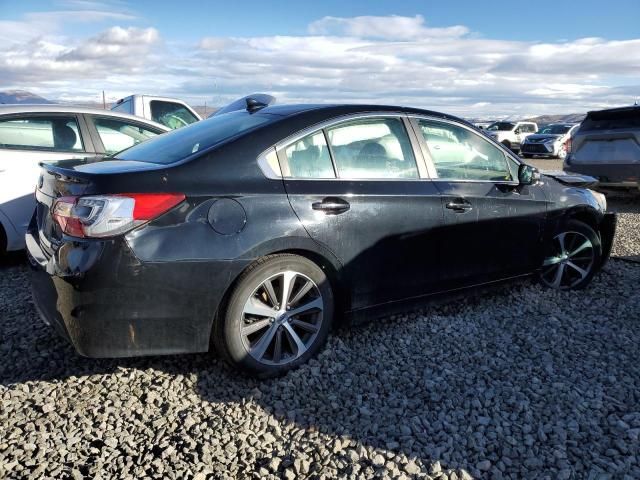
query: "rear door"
358, 187
25, 141
493, 225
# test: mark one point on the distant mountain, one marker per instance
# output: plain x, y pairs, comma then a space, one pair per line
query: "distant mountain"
540, 120
570, 118
22, 97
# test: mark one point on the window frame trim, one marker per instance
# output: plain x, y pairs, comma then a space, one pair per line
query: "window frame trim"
414, 119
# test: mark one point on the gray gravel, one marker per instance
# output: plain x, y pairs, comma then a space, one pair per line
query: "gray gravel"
519, 383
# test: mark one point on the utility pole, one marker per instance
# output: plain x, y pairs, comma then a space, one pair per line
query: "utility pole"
104, 102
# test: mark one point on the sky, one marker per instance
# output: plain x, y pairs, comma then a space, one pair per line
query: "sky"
470, 58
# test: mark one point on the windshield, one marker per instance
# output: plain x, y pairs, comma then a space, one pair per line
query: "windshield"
555, 129
502, 126
184, 142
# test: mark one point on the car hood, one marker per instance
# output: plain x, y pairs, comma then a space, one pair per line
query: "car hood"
572, 179
540, 137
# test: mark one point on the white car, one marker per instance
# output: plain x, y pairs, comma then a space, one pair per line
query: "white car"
170, 112
511, 134
30, 134
550, 141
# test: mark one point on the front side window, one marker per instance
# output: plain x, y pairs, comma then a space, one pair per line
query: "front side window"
58, 134
372, 148
171, 114
116, 135
460, 154
308, 158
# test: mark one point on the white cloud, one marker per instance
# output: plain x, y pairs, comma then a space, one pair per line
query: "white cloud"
369, 59
393, 27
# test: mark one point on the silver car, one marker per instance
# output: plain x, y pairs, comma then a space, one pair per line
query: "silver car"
30, 134
550, 141
607, 146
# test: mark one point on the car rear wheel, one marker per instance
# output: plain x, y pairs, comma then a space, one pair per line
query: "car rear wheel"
278, 316
572, 257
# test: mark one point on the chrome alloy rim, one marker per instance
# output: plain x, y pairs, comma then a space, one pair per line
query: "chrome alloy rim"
571, 260
281, 318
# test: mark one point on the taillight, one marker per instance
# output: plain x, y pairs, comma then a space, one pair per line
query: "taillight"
567, 145
99, 216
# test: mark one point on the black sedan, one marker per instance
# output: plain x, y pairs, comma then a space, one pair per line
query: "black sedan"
256, 230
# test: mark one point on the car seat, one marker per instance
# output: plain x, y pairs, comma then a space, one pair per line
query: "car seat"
64, 138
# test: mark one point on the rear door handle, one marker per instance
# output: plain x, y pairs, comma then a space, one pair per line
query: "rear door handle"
459, 205
331, 206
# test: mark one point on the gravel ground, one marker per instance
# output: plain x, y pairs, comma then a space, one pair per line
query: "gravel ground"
519, 383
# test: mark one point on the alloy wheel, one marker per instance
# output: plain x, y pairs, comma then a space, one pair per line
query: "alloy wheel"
570, 261
281, 318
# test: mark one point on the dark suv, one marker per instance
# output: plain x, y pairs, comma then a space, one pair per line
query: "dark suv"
254, 230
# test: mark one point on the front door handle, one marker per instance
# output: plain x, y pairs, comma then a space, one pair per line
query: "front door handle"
459, 205
331, 206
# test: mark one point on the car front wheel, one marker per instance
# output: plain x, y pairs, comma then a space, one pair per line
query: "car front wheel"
572, 257
278, 316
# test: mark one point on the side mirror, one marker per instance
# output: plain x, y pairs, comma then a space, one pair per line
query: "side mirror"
528, 175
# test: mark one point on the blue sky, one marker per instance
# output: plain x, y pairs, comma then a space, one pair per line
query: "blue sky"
466, 57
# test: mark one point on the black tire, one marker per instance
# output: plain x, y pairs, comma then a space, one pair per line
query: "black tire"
576, 232
227, 337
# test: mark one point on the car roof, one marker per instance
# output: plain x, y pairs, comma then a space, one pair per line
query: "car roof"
57, 108
631, 108
347, 109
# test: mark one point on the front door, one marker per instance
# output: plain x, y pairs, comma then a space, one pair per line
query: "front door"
493, 224
356, 187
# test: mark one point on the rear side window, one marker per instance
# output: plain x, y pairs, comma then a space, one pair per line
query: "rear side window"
372, 148
58, 134
612, 120
184, 142
171, 114
309, 158
116, 135
124, 107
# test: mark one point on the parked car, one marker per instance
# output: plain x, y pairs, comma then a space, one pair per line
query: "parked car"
30, 134
256, 230
550, 141
170, 112
511, 134
607, 146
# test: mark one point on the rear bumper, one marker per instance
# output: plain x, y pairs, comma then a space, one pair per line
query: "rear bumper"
107, 303
609, 175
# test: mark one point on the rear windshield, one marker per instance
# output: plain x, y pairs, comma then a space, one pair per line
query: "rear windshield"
612, 120
181, 143
501, 126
